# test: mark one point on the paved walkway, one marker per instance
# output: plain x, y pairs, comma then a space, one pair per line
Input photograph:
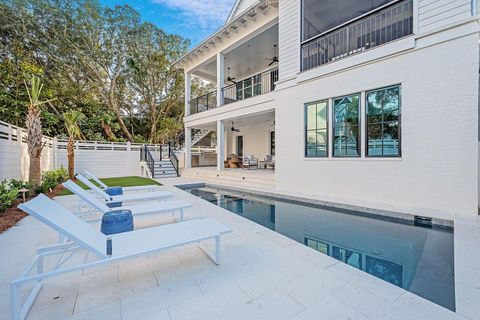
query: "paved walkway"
263, 275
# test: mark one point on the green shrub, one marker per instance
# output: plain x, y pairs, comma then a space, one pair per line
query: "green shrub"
52, 178
8, 194
19, 184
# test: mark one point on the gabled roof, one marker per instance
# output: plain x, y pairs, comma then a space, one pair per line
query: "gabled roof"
238, 7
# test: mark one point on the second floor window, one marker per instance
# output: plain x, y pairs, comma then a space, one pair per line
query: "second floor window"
320, 16
346, 122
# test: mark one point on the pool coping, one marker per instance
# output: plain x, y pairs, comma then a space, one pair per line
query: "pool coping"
385, 215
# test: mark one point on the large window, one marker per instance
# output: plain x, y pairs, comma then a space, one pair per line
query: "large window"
320, 16
346, 115
383, 122
316, 118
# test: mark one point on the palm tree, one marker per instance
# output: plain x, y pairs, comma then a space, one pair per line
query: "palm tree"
34, 129
72, 119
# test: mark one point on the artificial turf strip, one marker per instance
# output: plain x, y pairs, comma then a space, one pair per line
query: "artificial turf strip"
132, 181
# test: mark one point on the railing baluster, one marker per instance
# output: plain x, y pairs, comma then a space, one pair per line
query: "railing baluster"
389, 24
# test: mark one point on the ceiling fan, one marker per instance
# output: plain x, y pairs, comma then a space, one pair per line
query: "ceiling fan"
273, 59
233, 128
230, 79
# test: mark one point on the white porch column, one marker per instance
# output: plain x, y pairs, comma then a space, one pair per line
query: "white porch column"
220, 77
188, 83
188, 148
220, 145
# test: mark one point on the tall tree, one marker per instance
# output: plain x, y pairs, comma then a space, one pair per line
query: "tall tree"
151, 71
34, 129
72, 120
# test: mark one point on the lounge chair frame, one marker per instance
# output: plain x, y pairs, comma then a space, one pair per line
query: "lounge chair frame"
67, 249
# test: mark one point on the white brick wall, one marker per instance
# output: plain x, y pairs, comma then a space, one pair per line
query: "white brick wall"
438, 169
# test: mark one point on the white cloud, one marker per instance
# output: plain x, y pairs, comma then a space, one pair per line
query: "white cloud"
205, 12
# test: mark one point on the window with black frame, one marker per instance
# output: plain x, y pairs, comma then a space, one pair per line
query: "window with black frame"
316, 133
346, 123
383, 122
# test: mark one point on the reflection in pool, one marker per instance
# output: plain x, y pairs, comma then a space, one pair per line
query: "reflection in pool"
415, 258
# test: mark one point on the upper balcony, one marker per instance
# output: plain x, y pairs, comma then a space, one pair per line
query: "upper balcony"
239, 90
380, 25
245, 71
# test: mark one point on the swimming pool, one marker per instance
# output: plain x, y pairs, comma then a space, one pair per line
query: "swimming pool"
417, 258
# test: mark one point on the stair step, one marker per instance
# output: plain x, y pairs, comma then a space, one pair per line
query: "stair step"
170, 175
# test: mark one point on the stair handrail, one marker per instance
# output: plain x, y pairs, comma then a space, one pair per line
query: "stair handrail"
173, 157
146, 156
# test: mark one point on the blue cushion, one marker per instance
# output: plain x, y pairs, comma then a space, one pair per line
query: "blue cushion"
114, 191
117, 221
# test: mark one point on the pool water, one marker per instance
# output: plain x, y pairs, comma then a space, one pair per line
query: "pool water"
418, 259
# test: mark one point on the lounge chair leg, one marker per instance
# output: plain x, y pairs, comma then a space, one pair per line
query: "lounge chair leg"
217, 250
16, 306
214, 257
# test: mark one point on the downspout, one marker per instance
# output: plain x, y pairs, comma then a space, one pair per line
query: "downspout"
474, 7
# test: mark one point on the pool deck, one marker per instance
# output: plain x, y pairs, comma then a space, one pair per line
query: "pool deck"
263, 275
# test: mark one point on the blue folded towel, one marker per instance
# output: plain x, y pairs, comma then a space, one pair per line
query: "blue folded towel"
114, 191
117, 221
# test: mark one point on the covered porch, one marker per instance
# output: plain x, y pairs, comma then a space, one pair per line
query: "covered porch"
243, 143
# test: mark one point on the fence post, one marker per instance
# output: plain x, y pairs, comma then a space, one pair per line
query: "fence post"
54, 143
129, 146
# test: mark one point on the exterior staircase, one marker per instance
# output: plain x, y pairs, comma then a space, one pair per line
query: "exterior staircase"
199, 135
164, 169
163, 165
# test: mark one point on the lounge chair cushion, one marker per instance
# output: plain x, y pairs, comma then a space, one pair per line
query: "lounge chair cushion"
117, 221
114, 191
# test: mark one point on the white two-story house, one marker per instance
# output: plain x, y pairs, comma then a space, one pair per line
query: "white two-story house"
370, 103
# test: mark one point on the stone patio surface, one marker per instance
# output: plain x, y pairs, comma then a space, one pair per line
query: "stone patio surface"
263, 275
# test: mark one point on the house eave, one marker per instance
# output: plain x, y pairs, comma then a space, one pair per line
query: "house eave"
227, 29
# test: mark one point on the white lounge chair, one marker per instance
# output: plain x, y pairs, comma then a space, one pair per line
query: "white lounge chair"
102, 185
109, 249
139, 209
126, 197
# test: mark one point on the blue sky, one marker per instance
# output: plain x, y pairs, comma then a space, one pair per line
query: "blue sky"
191, 19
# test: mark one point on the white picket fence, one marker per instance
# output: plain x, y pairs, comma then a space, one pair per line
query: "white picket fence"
105, 159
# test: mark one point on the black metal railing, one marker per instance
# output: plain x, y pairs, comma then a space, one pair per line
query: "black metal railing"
389, 24
145, 155
173, 157
203, 103
250, 87
253, 86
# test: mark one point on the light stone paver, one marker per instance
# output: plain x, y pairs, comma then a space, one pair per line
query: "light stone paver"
263, 275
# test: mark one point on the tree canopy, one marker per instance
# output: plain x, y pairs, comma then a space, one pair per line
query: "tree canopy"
104, 62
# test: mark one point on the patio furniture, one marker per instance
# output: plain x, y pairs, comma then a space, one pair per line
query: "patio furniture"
249, 162
107, 249
139, 209
128, 197
269, 161
103, 186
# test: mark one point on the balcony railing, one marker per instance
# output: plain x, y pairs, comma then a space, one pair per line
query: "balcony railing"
250, 87
203, 103
380, 27
254, 86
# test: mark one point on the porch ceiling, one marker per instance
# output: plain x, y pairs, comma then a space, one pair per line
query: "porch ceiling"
247, 120
249, 58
